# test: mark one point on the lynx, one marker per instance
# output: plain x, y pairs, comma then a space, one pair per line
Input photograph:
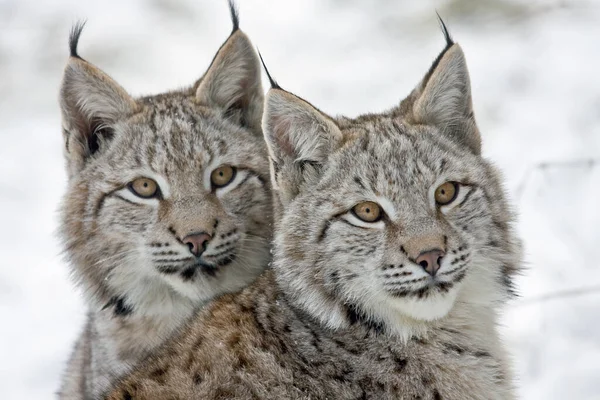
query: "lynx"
168, 204
393, 253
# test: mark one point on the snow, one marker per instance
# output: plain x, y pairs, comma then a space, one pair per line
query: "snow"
537, 100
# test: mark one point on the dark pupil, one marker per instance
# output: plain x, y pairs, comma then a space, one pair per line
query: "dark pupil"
220, 173
367, 210
443, 192
145, 184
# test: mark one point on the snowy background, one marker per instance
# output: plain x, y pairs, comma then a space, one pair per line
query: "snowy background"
533, 66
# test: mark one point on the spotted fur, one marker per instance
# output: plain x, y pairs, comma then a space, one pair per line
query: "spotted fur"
347, 312
140, 280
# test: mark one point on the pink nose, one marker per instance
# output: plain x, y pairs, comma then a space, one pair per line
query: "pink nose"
430, 260
197, 242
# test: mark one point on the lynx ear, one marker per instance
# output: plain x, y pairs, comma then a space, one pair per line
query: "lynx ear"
232, 82
91, 103
299, 138
443, 98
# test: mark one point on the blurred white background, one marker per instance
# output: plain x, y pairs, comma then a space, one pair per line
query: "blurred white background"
536, 94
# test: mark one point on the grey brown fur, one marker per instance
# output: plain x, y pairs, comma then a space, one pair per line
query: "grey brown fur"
140, 280
346, 311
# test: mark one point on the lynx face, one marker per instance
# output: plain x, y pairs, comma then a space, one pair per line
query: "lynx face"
188, 226
396, 216
168, 195
381, 237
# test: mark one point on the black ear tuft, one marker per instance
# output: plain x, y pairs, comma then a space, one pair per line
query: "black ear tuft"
449, 41
74, 38
273, 82
235, 15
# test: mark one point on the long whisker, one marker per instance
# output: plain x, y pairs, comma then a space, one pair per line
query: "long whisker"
115, 256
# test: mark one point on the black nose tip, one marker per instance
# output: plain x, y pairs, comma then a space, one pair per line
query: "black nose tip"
431, 260
197, 242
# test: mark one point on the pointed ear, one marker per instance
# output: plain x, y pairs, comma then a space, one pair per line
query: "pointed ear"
91, 103
232, 82
299, 138
443, 99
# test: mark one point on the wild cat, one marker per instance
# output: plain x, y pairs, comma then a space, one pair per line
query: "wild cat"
168, 204
393, 254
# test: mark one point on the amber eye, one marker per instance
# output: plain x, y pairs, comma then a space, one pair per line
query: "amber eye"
446, 193
144, 187
222, 176
367, 211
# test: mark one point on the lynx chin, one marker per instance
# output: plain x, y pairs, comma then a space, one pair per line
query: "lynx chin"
394, 251
168, 204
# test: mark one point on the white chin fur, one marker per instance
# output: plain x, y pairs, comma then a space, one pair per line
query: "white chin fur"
431, 308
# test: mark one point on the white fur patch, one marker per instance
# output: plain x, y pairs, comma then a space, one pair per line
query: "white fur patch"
387, 206
432, 307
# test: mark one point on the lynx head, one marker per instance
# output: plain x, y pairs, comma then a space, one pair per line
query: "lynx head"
168, 195
391, 219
